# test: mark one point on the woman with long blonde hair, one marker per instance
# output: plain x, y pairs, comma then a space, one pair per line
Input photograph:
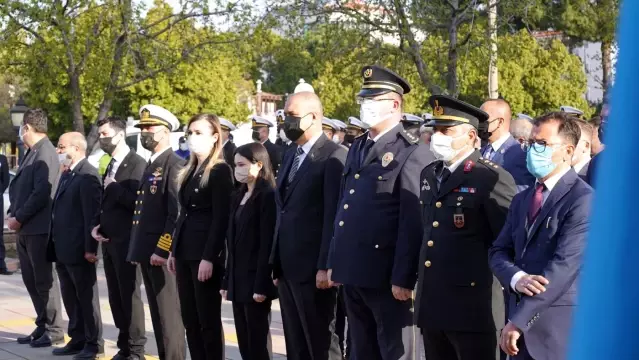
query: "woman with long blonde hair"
198, 254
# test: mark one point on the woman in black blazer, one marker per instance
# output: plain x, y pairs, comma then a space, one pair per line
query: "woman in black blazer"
248, 282
197, 258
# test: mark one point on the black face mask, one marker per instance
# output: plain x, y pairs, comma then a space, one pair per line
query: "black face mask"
349, 138
107, 145
256, 135
147, 140
292, 127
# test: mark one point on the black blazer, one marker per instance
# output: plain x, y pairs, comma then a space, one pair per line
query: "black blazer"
306, 211
247, 267
274, 154
118, 199
4, 174
31, 191
204, 215
228, 153
75, 205
156, 209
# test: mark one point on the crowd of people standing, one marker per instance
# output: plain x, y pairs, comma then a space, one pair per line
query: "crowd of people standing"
444, 229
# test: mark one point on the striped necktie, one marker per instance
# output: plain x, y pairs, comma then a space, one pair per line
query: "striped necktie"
296, 164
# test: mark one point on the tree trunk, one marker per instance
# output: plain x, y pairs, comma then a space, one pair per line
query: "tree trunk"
493, 75
76, 103
451, 76
606, 64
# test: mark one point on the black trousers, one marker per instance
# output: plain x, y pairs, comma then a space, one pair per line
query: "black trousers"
79, 286
308, 316
165, 311
201, 305
459, 345
340, 324
3, 250
42, 285
381, 326
252, 323
123, 281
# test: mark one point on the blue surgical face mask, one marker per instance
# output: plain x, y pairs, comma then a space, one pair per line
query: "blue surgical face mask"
539, 164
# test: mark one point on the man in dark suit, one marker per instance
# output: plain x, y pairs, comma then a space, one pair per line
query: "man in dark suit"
228, 149
112, 227
282, 141
307, 196
154, 216
377, 230
4, 184
581, 158
460, 305
502, 148
75, 204
261, 128
538, 254
31, 195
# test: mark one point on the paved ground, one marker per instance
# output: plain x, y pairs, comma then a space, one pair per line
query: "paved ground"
17, 315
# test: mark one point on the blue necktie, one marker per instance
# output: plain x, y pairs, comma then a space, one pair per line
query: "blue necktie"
488, 152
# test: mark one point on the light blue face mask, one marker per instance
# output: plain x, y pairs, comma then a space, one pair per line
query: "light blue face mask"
540, 164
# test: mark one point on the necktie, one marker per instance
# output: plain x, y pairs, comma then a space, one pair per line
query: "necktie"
108, 170
535, 205
63, 180
296, 164
367, 148
442, 173
488, 152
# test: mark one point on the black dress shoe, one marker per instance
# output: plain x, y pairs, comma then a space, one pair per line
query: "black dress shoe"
69, 349
119, 356
29, 338
89, 355
5, 272
46, 341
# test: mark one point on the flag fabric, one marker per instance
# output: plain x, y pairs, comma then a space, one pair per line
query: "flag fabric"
607, 317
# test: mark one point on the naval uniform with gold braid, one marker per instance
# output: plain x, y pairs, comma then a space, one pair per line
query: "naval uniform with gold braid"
156, 210
376, 243
459, 304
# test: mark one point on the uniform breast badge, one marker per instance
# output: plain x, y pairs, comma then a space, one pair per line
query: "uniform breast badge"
458, 217
387, 159
156, 177
426, 185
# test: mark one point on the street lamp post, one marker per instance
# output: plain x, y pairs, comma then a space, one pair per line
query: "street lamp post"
17, 116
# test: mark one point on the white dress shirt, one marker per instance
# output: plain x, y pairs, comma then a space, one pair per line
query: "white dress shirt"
306, 148
549, 184
500, 142
72, 166
116, 164
157, 154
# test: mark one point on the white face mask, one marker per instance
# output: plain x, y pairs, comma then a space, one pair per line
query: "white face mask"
184, 146
201, 144
241, 174
442, 146
64, 159
369, 112
283, 136
336, 139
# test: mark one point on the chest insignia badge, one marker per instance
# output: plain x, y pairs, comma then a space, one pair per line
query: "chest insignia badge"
157, 172
426, 185
458, 220
153, 189
387, 159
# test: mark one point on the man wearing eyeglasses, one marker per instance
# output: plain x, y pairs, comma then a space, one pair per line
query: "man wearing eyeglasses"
502, 148
465, 199
377, 234
538, 254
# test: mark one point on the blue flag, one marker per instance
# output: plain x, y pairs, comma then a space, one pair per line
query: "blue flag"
606, 322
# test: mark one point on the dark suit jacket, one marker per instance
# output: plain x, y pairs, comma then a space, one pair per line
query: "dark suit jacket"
274, 154
31, 191
306, 211
204, 215
156, 209
4, 174
378, 230
583, 173
552, 247
228, 153
75, 205
118, 199
512, 158
592, 169
249, 245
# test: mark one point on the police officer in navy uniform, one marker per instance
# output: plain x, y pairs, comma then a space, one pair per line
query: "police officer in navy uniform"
375, 247
465, 200
154, 216
354, 129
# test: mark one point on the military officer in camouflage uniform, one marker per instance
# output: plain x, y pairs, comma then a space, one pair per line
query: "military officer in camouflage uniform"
464, 200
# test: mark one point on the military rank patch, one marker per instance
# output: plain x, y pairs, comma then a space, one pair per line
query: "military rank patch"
468, 166
165, 242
